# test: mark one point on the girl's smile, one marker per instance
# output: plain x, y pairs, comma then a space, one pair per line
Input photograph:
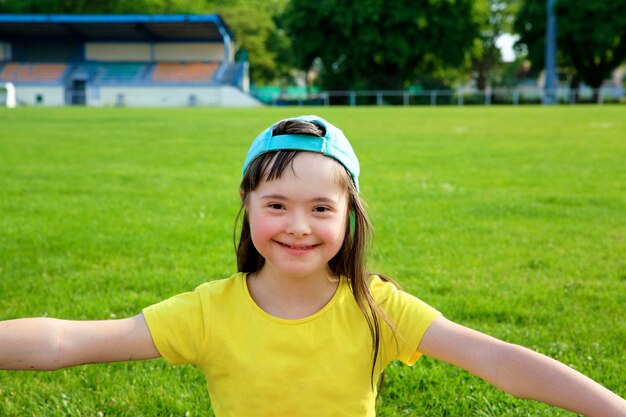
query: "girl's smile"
297, 249
298, 221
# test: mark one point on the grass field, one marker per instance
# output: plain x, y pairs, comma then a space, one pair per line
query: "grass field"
508, 220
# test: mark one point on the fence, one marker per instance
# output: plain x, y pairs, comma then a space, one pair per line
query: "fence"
514, 97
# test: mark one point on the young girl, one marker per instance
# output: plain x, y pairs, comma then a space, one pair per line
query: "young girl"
302, 328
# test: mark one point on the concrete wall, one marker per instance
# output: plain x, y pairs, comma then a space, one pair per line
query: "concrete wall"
164, 51
165, 96
141, 96
223, 96
5, 51
40, 95
192, 51
102, 51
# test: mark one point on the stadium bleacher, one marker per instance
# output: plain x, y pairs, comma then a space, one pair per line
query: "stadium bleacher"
119, 72
111, 72
184, 72
105, 60
33, 72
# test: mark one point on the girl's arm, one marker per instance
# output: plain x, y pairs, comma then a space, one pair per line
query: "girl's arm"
519, 371
49, 344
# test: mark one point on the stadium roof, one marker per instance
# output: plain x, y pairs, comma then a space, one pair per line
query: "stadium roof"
139, 28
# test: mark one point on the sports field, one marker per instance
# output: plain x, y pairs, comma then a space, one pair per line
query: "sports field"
508, 220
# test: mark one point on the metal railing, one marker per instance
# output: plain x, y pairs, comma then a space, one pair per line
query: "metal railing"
501, 96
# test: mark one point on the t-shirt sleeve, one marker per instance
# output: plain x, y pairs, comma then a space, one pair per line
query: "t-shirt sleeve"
177, 327
410, 316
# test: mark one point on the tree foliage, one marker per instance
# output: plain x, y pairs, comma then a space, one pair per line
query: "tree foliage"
495, 18
388, 44
258, 35
102, 7
379, 44
591, 36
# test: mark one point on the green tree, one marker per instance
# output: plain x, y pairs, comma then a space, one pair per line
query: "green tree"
591, 37
257, 33
495, 18
378, 44
102, 7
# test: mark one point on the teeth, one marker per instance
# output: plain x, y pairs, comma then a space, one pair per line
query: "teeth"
298, 247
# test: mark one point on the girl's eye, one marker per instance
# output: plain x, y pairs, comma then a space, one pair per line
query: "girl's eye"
321, 209
276, 206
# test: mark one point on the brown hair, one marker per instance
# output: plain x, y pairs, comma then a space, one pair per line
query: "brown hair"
349, 262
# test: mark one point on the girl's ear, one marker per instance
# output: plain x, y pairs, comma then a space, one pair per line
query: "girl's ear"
241, 194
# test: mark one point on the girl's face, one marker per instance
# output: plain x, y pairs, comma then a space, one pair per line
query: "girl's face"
298, 222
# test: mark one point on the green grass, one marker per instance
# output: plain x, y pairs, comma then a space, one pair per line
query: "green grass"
508, 220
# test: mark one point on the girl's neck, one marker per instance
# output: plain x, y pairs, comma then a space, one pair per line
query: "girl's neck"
291, 297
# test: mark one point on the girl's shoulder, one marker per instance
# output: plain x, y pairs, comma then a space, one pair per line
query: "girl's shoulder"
382, 287
388, 293
220, 287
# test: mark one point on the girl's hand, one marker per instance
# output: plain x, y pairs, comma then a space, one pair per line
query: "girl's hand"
49, 344
519, 371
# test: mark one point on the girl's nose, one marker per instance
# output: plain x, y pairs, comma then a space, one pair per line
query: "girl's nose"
298, 225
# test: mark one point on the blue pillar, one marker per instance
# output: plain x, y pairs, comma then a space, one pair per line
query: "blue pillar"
549, 96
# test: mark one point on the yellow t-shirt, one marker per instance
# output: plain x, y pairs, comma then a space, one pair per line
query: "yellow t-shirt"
258, 365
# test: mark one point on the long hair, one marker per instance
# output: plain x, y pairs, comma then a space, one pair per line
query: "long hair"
349, 262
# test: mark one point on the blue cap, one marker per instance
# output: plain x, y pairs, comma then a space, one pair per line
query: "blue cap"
334, 144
